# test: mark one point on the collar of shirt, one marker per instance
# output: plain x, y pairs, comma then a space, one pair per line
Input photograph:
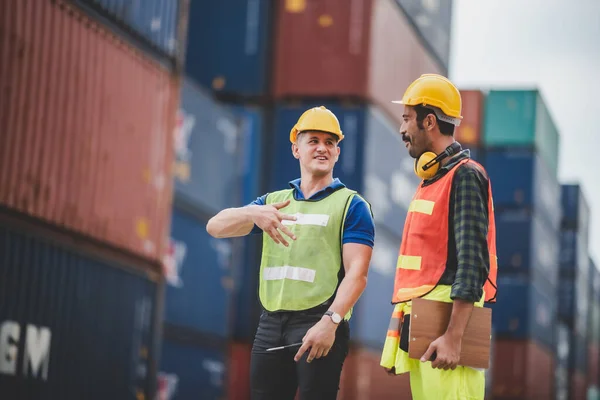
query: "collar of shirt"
465, 153
321, 194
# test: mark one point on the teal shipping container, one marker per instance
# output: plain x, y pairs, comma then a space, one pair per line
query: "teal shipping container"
520, 118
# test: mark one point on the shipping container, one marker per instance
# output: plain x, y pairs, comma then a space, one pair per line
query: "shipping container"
87, 125
522, 370
525, 310
575, 208
520, 118
238, 371
571, 252
199, 271
561, 375
192, 371
477, 154
207, 152
526, 244
566, 300
579, 348
364, 379
229, 45
76, 322
432, 20
371, 317
151, 24
520, 180
470, 130
578, 386
363, 49
372, 161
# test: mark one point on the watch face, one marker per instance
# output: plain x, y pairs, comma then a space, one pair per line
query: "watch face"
336, 318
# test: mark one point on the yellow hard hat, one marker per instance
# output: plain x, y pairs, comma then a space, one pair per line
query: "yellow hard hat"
317, 119
438, 92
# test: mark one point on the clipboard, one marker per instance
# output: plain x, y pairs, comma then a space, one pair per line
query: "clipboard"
429, 320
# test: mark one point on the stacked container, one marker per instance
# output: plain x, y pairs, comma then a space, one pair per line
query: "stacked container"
85, 157
211, 283
593, 336
521, 153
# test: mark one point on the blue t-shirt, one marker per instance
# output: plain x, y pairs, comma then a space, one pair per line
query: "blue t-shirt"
359, 226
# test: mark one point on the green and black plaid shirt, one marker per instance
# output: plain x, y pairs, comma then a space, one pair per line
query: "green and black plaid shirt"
468, 257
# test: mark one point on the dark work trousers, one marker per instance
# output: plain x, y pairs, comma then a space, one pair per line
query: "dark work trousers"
276, 376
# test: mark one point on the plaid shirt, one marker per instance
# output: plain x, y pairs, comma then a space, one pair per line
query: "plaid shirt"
468, 257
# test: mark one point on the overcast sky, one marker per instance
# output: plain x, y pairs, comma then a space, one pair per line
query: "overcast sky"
554, 45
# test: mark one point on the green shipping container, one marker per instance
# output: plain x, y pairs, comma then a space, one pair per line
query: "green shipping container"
519, 118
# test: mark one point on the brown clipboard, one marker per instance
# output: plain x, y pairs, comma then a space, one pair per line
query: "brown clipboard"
429, 320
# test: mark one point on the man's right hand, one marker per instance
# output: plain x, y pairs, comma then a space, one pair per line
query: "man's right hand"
268, 218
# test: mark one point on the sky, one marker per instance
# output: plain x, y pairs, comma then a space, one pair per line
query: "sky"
553, 45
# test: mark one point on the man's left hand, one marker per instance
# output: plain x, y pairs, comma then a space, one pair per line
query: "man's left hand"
447, 349
318, 339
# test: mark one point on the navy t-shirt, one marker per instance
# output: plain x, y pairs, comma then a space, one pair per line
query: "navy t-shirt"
359, 226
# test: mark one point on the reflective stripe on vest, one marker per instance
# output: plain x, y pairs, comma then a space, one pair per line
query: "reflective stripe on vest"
424, 249
305, 274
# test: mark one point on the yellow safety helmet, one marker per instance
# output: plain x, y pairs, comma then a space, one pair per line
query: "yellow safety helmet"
317, 119
437, 92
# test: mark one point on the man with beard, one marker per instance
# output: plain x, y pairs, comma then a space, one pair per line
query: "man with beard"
448, 250
317, 243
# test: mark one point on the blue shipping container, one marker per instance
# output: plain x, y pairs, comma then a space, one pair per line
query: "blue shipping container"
228, 46
191, 372
208, 154
566, 300
526, 244
199, 277
156, 21
579, 348
519, 179
252, 127
372, 313
73, 325
575, 209
524, 310
372, 161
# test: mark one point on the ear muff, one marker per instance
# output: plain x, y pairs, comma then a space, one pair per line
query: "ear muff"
428, 164
422, 161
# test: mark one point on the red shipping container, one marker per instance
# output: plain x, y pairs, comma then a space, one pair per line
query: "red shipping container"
363, 49
593, 368
469, 131
578, 386
364, 379
86, 126
239, 371
522, 370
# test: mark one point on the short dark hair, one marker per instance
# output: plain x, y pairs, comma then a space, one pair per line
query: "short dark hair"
446, 128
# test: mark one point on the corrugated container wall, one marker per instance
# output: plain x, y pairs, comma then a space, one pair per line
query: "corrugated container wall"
364, 379
520, 118
470, 130
372, 159
372, 313
199, 277
228, 46
155, 23
238, 371
522, 370
433, 20
527, 245
562, 375
524, 310
192, 371
522, 181
578, 386
207, 152
594, 327
87, 125
365, 49
75, 323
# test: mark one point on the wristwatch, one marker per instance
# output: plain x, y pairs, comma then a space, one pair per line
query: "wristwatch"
335, 317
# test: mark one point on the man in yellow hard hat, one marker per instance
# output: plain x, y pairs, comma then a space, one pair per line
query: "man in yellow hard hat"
317, 242
448, 249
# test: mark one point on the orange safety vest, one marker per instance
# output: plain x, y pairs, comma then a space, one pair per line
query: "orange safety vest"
424, 249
